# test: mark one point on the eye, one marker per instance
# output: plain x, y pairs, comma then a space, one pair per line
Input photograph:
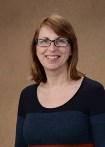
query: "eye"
62, 40
43, 40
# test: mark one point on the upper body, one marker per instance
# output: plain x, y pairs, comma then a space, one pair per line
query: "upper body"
80, 121
64, 107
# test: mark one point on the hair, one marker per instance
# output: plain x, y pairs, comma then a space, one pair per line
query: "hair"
63, 29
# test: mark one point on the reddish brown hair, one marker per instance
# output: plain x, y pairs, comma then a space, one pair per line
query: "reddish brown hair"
63, 29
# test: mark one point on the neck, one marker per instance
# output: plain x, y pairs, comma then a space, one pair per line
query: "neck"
56, 78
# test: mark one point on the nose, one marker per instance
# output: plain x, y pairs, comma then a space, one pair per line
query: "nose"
52, 47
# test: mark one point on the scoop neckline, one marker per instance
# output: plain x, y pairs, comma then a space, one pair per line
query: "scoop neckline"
60, 106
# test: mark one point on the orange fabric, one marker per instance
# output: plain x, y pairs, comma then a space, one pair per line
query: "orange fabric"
74, 145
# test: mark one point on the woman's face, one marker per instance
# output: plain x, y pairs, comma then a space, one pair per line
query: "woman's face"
52, 57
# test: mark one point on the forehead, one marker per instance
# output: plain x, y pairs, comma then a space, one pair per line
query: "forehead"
46, 31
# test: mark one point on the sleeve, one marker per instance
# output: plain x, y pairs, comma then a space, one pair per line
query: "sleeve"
19, 139
97, 116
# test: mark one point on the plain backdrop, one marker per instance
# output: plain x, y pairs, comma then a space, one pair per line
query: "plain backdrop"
18, 19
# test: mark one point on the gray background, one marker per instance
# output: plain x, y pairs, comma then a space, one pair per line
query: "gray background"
18, 19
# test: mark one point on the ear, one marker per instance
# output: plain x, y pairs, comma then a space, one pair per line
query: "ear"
70, 54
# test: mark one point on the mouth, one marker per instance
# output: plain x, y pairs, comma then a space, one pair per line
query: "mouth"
52, 57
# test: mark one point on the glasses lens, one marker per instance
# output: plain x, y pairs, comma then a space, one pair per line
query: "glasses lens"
57, 42
43, 42
61, 42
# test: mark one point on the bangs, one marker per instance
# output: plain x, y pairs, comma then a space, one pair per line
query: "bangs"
59, 27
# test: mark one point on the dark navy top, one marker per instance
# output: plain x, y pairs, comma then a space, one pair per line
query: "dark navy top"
80, 121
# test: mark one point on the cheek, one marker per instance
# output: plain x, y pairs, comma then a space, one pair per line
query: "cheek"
67, 51
40, 51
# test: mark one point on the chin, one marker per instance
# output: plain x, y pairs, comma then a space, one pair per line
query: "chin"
51, 68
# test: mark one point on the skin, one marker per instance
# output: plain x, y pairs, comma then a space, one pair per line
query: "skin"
59, 88
52, 57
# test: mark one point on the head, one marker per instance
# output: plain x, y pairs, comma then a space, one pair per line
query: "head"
63, 29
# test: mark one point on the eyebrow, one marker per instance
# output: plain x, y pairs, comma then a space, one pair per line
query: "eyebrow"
43, 38
49, 38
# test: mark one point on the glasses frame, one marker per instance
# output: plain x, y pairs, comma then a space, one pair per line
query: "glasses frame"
54, 41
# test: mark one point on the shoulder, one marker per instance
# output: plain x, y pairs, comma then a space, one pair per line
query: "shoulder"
94, 94
29, 89
27, 93
26, 99
92, 85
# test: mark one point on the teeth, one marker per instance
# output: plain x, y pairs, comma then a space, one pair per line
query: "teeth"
52, 57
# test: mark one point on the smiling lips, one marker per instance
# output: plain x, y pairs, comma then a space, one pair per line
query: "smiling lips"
52, 57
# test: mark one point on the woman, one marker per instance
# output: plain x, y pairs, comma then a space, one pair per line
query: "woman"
64, 108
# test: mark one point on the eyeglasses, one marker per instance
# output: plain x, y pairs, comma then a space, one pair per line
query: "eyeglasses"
59, 42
